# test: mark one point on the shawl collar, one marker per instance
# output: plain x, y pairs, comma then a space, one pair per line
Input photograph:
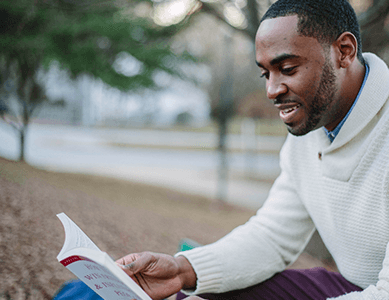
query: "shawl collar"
340, 159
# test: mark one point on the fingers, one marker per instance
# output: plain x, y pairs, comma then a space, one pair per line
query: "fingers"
128, 259
135, 263
126, 263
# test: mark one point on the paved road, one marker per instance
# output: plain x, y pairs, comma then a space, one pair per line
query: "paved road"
178, 160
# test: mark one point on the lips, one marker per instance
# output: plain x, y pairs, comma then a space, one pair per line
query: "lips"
289, 111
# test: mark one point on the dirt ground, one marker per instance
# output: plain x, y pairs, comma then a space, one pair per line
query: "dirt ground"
119, 216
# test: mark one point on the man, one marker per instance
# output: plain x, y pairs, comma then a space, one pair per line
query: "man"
334, 173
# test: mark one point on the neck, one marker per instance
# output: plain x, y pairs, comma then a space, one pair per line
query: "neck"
351, 84
354, 78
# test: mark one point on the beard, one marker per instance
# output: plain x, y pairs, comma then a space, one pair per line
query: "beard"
322, 102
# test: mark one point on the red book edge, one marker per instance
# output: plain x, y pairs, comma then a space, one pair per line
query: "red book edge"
71, 259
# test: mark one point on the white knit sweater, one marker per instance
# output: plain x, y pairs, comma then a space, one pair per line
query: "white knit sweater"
344, 193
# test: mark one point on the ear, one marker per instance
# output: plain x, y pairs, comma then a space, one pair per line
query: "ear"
346, 47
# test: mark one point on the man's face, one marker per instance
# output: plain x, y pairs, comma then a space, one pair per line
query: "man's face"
300, 77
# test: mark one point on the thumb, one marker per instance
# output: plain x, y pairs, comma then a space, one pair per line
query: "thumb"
131, 267
127, 263
135, 263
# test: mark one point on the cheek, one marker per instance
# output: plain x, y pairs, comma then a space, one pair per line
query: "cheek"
306, 85
310, 78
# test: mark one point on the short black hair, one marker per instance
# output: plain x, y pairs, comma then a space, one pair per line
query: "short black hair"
324, 20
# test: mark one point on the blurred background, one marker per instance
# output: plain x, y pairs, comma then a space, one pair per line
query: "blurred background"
165, 92
146, 114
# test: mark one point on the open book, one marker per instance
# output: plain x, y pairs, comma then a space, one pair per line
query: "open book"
95, 267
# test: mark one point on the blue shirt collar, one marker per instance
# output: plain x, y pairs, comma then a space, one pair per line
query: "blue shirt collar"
332, 134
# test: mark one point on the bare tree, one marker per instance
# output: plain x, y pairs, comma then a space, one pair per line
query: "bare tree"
374, 36
372, 21
374, 39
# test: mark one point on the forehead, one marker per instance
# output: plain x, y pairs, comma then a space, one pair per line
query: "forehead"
278, 37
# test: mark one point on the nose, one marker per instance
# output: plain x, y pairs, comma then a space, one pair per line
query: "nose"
275, 87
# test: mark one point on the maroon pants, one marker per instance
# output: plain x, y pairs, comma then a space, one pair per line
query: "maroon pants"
312, 284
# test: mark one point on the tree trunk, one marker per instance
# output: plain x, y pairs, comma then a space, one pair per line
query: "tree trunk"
225, 113
23, 130
222, 189
22, 135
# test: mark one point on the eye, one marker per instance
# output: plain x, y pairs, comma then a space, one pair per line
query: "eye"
265, 74
288, 71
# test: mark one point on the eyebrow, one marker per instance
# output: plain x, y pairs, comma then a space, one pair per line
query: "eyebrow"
279, 59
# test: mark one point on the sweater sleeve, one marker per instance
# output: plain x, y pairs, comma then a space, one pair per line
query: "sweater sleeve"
255, 251
380, 291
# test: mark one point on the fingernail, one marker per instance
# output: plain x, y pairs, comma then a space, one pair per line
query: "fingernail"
129, 266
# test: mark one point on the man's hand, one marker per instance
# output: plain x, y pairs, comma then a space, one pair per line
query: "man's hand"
159, 275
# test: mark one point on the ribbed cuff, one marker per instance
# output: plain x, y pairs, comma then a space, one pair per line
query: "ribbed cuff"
207, 268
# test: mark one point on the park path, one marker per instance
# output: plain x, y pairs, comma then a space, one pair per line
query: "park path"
184, 161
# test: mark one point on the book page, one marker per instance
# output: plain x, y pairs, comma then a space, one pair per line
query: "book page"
94, 267
74, 237
100, 279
